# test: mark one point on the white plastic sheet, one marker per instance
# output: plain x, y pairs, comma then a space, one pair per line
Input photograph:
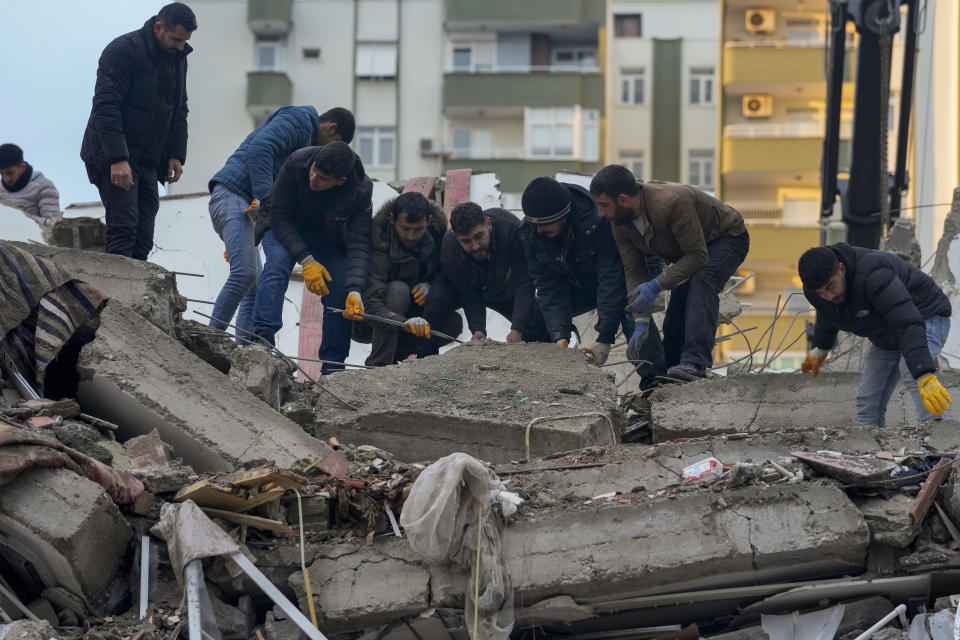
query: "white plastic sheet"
447, 503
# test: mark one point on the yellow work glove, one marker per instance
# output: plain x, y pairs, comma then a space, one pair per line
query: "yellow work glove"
418, 327
420, 293
935, 398
563, 343
353, 306
811, 364
316, 277
226, 257
254, 205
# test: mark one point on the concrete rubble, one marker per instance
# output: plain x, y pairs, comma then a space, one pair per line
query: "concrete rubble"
798, 509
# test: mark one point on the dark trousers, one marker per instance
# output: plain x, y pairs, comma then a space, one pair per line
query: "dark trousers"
690, 325
444, 299
389, 344
130, 214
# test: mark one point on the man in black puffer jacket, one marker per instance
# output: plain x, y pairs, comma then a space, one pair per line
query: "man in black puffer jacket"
900, 309
137, 132
317, 213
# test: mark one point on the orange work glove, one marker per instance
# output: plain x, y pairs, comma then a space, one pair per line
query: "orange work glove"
316, 277
353, 306
811, 364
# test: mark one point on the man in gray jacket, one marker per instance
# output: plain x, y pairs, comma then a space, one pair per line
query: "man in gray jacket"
25, 188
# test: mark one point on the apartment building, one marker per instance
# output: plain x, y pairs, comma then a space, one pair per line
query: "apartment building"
254, 56
662, 89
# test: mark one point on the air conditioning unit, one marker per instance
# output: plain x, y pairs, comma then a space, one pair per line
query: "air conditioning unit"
760, 21
426, 145
757, 105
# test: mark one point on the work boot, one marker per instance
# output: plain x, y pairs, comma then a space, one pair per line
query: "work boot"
686, 372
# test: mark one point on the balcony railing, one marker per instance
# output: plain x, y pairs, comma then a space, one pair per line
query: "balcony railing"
523, 68
504, 153
784, 43
762, 216
782, 130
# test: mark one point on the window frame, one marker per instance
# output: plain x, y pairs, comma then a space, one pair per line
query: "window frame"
279, 48
630, 159
702, 158
619, 19
376, 135
702, 77
630, 77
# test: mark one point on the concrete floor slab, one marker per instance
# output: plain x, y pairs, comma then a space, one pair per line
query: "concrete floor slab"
477, 398
136, 376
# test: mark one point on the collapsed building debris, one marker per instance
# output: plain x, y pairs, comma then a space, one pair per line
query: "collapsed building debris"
488, 399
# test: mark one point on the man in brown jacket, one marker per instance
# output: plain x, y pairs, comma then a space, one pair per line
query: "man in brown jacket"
703, 241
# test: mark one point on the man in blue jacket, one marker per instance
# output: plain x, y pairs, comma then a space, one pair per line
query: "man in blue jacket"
238, 188
573, 261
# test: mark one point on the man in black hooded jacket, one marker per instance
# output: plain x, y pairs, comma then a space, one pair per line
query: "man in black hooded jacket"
900, 309
137, 132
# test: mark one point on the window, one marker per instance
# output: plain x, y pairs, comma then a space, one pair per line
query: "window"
633, 160
474, 56
561, 132
701, 168
632, 86
462, 58
375, 146
311, 53
575, 58
472, 143
269, 55
804, 32
701, 85
376, 60
627, 25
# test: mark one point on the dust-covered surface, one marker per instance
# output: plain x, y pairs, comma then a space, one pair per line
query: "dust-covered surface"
477, 398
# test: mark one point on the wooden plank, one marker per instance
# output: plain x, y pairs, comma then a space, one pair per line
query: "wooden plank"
922, 504
422, 185
252, 521
207, 494
311, 333
266, 475
457, 189
263, 498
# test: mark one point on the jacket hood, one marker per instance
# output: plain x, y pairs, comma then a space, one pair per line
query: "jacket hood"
381, 221
147, 32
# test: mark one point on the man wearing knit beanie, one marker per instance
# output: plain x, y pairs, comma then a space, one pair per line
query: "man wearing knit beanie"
573, 261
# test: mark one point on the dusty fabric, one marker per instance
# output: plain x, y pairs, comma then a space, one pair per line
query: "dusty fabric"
440, 518
41, 307
191, 534
21, 450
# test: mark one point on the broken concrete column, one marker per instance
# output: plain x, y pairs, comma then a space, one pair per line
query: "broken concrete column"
85, 233
262, 373
941, 272
139, 378
478, 398
901, 240
71, 531
695, 539
148, 289
770, 402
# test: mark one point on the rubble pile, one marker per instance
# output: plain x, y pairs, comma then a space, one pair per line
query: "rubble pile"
170, 461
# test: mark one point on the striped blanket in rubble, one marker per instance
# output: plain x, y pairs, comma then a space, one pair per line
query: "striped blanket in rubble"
41, 308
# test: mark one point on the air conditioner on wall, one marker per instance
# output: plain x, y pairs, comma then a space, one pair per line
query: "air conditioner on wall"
760, 21
757, 105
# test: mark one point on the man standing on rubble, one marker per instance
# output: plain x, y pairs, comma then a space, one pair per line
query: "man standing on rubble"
573, 261
405, 244
238, 188
317, 213
137, 132
484, 267
704, 242
900, 309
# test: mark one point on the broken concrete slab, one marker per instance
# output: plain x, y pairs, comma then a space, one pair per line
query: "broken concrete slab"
478, 398
849, 469
27, 630
889, 519
261, 372
148, 289
72, 533
771, 402
608, 551
136, 376
84, 232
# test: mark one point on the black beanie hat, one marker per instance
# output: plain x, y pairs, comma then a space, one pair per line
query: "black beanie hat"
816, 266
545, 201
10, 154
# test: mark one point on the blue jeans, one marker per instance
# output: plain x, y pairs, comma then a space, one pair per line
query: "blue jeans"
882, 368
272, 285
235, 228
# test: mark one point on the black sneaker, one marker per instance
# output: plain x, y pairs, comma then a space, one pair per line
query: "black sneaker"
686, 372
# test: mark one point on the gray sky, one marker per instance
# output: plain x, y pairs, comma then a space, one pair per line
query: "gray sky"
50, 50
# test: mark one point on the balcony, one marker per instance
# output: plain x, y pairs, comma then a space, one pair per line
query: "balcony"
267, 91
758, 62
269, 18
554, 12
783, 130
463, 90
515, 175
